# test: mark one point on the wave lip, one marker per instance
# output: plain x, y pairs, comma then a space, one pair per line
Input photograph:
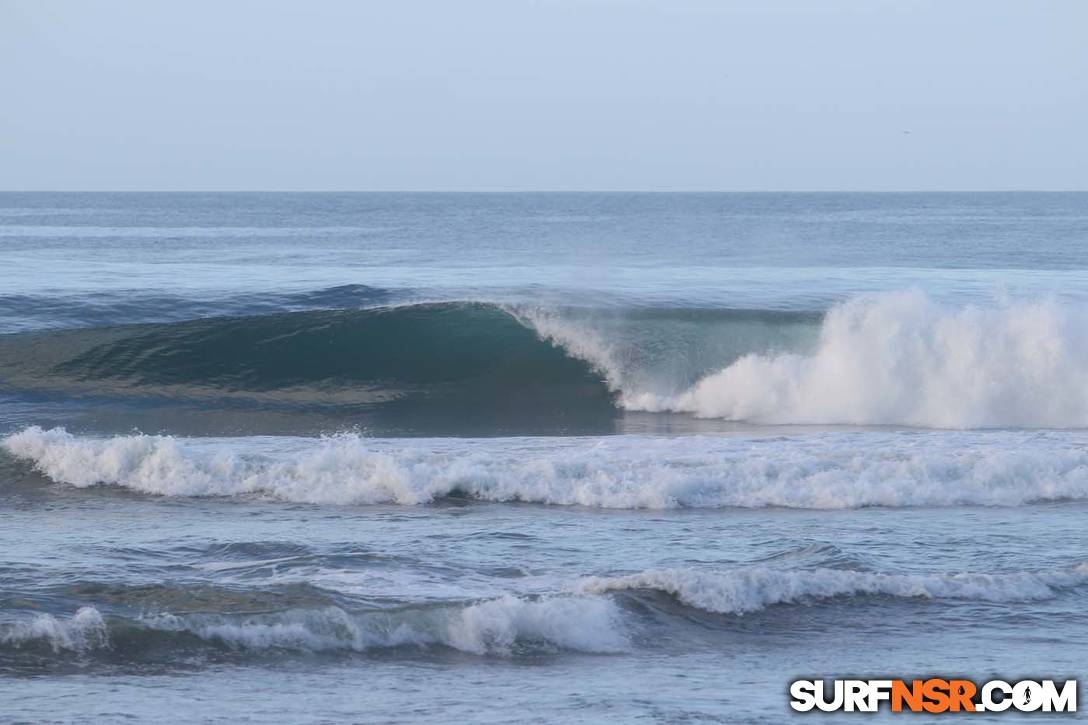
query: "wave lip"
821, 471
755, 588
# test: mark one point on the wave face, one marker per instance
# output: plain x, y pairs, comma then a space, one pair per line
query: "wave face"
904, 359
469, 362
822, 471
401, 347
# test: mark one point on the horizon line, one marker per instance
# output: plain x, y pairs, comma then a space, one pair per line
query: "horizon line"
543, 191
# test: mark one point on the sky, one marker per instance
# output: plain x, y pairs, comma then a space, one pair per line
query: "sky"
671, 95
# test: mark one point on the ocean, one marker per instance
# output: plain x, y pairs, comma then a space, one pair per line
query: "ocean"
593, 457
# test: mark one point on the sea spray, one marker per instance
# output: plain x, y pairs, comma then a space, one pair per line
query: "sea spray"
901, 358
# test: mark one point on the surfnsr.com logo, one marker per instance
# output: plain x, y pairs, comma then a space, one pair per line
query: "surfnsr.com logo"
933, 695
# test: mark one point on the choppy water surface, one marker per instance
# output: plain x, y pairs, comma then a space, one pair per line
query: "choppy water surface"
606, 457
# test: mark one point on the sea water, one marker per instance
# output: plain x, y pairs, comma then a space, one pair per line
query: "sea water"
534, 457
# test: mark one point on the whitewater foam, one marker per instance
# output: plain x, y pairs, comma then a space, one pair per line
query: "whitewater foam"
902, 358
584, 617
84, 631
498, 627
828, 470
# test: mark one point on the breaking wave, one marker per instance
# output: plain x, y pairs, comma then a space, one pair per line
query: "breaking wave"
888, 359
592, 615
503, 627
904, 359
84, 631
471, 353
755, 588
824, 471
